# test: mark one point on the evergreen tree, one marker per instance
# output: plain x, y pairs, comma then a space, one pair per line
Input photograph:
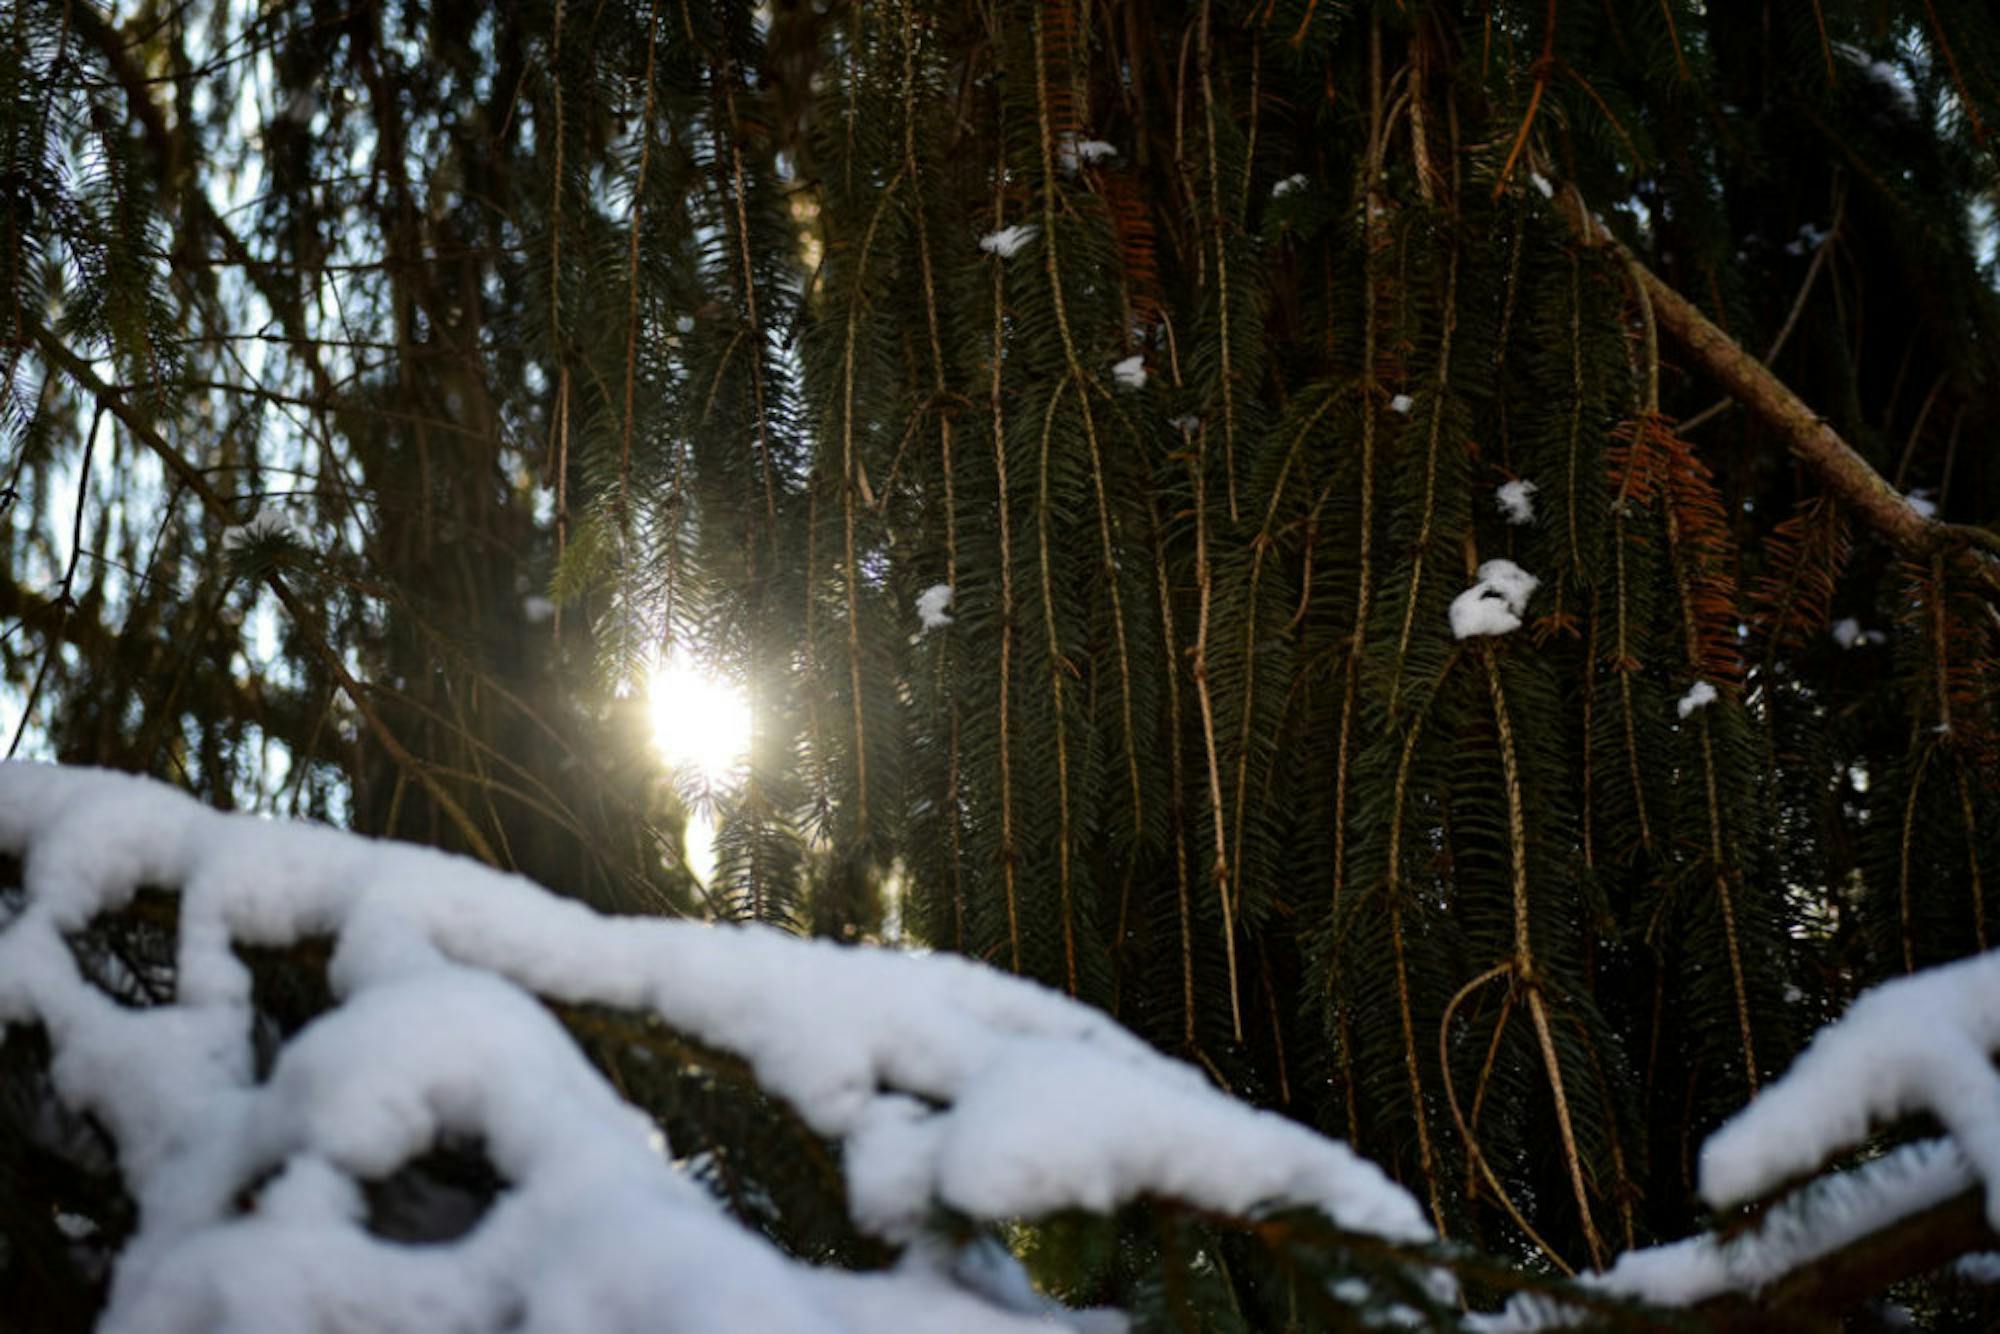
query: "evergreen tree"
1205, 353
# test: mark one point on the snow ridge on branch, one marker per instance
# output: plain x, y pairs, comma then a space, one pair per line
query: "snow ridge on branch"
948, 1083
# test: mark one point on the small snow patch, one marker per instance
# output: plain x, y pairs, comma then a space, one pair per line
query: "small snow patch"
1007, 242
1187, 424
1922, 503
1088, 153
1542, 184
1982, 1267
1402, 403
934, 606
75, 1226
1131, 372
1699, 696
1847, 633
1493, 605
537, 609
1516, 501
269, 524
1291, 185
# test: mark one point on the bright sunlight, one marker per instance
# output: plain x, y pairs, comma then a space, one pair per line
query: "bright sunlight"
700, 721
701, 729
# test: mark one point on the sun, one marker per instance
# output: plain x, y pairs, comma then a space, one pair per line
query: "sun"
701, 722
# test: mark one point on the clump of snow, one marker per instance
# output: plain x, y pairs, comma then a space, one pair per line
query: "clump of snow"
1186, 424
1805, 1227
1290, 185
1920, 1043
1131, 372
1073, 153
1847, 633
1885, 75
1921, 501
1542, 184
1007, 242
1516, 501
1981, 1267
1402, 403
948, 1086
76, 1227
1699, 696
1810, 238
934, 606
1493, 605
537, 609
268, 524
684, 323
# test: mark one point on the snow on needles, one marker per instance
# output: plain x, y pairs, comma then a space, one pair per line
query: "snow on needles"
949, 1086
1007, 242
934, 606
268, 524
1494, 605
1131, 372
1073, 153
1516, 501
1699, 696
1920, 1043
1804, 1227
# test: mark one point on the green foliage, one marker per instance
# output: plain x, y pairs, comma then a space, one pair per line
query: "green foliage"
679, 314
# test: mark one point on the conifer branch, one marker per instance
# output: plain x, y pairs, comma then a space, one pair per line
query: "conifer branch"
1526, 975
1808, 435
196, 481
996, 349
1058, 664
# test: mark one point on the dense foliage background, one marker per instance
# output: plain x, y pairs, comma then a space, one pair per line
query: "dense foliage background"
570, 338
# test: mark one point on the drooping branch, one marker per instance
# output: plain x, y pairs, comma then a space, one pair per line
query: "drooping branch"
1837, 464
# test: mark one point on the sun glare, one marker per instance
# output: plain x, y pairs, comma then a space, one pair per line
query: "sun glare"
701, 723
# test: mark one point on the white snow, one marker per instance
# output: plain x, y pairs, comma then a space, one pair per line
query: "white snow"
1921, 501
267, 524
1847, 633
1072, 153
934, 606
1131, 372
1493, 605
1886, 75
1290, 185
1186, 424
1816, 1221
537, 609
1542, 184
76, 1227
948, 1086
1919, 1043
1699, 696
1007, 242
1402, 403
684, 323
1516, 501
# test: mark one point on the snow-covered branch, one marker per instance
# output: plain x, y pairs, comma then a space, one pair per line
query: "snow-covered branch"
949, 1085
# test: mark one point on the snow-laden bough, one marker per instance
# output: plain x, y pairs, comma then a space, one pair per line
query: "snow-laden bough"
947, 1083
